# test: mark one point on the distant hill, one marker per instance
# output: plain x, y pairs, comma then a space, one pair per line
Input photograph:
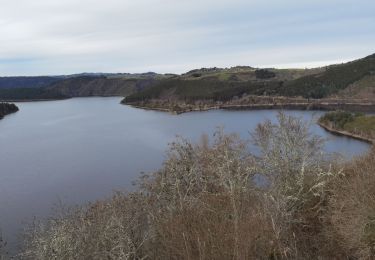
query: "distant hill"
102, 86
24, 94
27, 82
78, 85
225, 84
222, 84
348, 80
46, 81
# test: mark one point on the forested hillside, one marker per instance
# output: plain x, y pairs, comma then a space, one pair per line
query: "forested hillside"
23, 94
332, 80
27, 82
82, 85
102, 86
225, 84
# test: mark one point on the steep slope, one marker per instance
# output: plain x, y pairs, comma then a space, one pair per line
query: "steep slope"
334, 79
102, 86
361, 89
27, 82
26, 94
83, 85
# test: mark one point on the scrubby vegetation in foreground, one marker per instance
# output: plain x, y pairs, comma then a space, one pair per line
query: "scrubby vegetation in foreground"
216, 200
352, 123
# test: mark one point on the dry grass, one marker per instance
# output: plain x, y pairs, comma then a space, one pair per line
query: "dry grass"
352, 208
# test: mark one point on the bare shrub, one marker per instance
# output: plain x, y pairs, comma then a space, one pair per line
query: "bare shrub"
292, 159
205, 205
111, 229
353, 208
212, 232
3, 252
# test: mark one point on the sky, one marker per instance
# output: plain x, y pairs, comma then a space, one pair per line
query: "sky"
54, 37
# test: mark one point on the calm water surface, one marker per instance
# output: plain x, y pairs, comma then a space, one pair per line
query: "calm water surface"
81, 149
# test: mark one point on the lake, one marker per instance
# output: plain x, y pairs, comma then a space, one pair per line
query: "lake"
81, 149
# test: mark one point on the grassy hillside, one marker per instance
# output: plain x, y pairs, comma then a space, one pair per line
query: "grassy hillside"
361, 89
357, 124
224, 84
332, 80
220, 84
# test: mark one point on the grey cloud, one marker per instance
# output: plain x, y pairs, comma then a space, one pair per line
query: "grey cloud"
57, 37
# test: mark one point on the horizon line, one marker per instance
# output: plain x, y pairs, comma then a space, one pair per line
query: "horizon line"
289, 65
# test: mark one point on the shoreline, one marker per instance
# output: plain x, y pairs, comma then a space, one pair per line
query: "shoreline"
53, 99
175, 112
324, 106
30, 100
345, 133
289, 106
10, 109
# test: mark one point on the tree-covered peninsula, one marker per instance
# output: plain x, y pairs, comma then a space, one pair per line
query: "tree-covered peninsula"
356, 125
7, 108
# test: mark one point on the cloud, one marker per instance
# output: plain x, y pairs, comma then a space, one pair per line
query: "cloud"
58, 37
